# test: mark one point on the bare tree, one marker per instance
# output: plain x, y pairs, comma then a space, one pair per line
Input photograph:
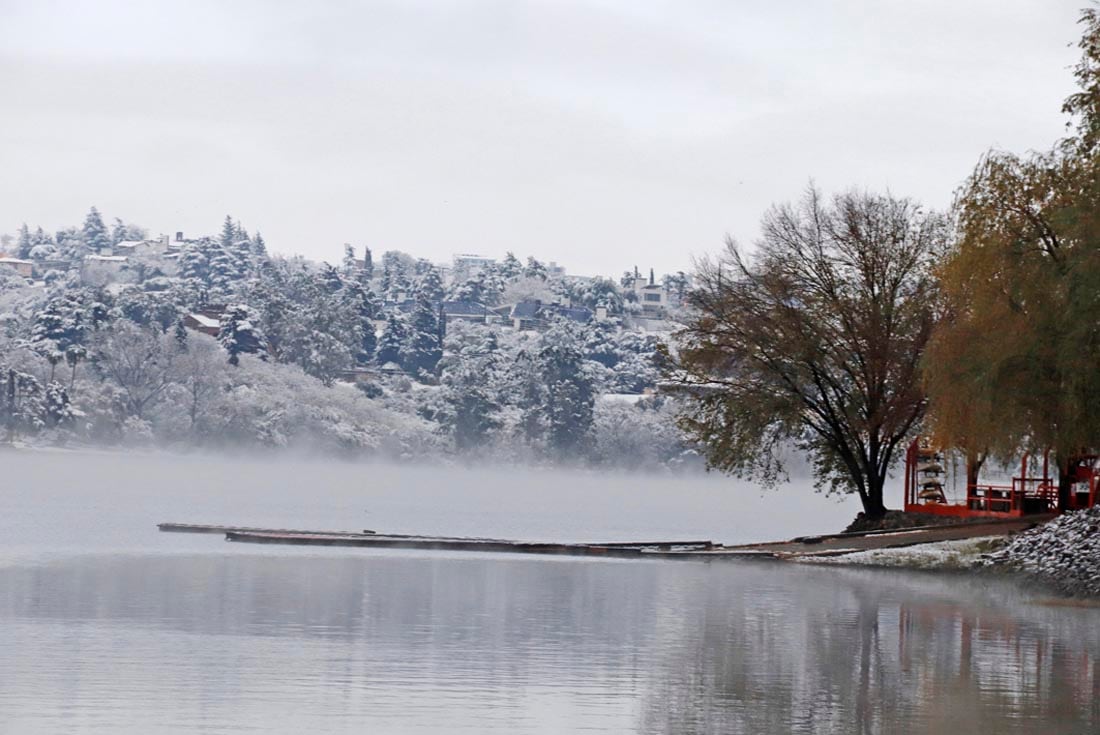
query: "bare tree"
814, 341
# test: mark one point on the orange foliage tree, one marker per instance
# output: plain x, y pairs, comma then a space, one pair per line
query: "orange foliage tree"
1015, 362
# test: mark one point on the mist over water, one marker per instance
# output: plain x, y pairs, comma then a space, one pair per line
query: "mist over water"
108, 626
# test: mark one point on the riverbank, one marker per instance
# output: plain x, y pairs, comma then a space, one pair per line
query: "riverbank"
1060, 555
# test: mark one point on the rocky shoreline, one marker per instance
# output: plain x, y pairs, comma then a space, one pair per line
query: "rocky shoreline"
1061, 556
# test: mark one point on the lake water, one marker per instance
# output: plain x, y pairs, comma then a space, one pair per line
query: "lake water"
107, 626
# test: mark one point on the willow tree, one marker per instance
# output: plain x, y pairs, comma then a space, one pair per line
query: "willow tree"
813, 340
1014, 364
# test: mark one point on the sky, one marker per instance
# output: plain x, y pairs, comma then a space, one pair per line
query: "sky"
598, 134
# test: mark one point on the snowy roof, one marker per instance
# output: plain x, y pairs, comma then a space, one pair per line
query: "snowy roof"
526, 309
630, 398
107, 258
465, 308
576, 313
204, 320
130, 244
16, 261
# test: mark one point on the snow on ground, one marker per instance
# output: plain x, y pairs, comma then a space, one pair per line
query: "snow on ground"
959, 554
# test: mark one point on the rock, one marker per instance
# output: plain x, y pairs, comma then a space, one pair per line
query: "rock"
1062, 553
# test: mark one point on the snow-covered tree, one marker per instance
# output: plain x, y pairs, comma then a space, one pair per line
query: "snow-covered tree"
368, 264
510, 267
23, 244
424, 345
239, 334
430, 286
564, 407
95, 232
392, 343
136, 360
470, 391
535, 269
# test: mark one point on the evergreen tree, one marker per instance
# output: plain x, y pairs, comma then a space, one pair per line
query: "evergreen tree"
259, 249
24, 244
240, 234
472, 407
58, 327
535, 269
364, 304
225, 271
430, 287
567, 404
368, 264
424, 345
240, 334
510, 267
118, 232
349, 264
392, 343
180, 335
229, 233
95, 232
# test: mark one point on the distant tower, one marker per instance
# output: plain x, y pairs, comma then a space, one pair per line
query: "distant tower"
651, 277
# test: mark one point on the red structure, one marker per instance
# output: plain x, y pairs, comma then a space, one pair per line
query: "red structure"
1024, 495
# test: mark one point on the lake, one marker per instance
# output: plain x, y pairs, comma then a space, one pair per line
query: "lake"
108, 626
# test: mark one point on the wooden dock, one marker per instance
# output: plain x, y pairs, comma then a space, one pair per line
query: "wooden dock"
371, 539
437, 543
207, 528
807, 546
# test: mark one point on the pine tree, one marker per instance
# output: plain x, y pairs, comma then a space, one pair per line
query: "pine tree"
259, 248
24, 243
118, 232
58, 328
510, 267
368, 264
349, 264
95, 232
424, 345
535, 269
239, 233
567, 407
239, 333
469, 393
225, 270
364, 304
229, 233
430, 287
392, 343
180, 335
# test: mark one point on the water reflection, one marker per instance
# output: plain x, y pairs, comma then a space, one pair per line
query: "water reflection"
434, 643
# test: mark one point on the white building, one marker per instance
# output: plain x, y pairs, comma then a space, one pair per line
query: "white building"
99, 270
24, 268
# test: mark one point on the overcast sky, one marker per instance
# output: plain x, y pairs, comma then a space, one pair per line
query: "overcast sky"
600, 134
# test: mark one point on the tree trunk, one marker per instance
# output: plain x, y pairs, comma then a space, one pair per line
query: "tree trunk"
1065, 484
974, 462
873, 506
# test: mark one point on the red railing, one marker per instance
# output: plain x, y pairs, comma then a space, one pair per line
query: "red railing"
1025, 495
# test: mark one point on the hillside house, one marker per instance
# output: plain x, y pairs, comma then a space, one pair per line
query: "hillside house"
99, 270
142, 248
528, 315
652, 296
207, 320
24, 268
468, 311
